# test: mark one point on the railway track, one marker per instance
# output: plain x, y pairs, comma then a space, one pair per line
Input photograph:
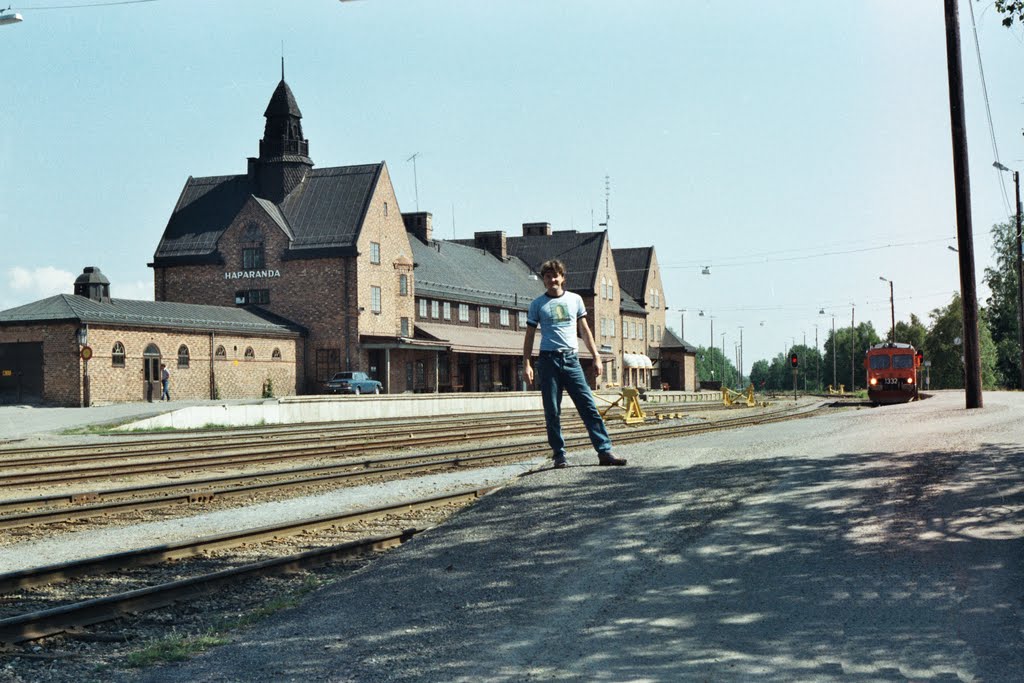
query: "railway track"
51, 621
39, 623
87, 504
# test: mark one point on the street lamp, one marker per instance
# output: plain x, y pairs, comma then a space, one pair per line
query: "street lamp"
892, 309
1020, 271
9, 17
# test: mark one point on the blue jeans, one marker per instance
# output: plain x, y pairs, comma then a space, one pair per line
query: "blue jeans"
555, 373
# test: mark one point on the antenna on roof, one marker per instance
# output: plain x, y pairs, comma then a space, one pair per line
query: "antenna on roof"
415, 181
607, 192
282, 60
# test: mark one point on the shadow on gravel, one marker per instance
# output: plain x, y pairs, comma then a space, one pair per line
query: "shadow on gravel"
783, 569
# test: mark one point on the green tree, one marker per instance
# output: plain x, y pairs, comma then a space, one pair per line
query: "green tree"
713, 366
1002, 303
847, 347
760, 375
1013, 9
944, 347
914, 333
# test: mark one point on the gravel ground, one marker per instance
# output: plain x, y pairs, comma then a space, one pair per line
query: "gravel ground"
870, 545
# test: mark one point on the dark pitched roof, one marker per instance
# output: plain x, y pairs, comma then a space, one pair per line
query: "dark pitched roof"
670, 340
628, 304
151, 314
458, 272
282, 102
579, 251
325, 212
631, 266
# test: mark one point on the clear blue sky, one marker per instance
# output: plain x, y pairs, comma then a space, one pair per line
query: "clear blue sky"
800, 149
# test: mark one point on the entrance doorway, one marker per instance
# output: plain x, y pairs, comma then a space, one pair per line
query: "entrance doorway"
151, 388
21, 372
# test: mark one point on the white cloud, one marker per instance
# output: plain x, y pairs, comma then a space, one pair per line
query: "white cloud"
26, 285
40, 282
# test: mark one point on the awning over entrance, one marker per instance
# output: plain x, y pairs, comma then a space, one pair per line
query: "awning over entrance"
482, 340
636, 360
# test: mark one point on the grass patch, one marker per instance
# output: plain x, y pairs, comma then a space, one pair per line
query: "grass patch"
177, 647
173, 648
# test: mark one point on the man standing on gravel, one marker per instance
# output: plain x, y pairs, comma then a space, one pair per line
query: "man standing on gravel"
561, 315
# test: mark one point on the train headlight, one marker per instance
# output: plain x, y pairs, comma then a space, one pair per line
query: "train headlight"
910, 380
873, 381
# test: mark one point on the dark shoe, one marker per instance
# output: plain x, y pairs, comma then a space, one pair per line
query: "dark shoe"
609, 459
560, 462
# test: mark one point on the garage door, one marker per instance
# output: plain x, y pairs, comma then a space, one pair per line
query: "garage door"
21, 372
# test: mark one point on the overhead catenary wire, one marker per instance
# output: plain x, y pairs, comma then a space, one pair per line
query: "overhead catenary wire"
988, 112
85, 5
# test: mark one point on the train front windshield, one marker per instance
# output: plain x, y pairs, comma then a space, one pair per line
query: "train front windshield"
880, 362
903, 361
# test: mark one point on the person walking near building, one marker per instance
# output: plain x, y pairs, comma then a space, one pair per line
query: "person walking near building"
561, 315
165, 381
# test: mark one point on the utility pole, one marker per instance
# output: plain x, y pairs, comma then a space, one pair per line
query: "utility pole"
1020, 280
964, 230
853, 346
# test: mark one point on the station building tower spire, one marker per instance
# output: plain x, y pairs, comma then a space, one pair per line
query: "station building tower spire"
284, 154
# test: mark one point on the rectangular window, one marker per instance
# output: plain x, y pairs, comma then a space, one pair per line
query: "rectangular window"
503, 317
252, 258
485, 315
625, 329
652, 331
374, 252
640, 331
423, 308
435, 309
246, 297
328, 362
375, 299
522, 320
405, 327
447, 310
403, 284
464, 313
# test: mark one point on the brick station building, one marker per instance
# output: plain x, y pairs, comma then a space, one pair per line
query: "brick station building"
327, 274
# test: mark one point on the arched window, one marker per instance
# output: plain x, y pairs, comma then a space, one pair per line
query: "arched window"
117, 355
220, 353
249, 353
276, 355
182, 356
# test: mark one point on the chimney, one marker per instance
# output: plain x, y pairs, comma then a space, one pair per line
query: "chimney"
536, 229
492, 241
93, 285
252, 170
420, 224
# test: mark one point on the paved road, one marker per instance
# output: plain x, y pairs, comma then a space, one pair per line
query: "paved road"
872, 545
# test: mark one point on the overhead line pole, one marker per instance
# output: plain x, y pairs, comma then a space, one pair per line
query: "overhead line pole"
1020, 280
964, 230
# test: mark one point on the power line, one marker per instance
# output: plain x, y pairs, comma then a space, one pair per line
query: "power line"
87, 5
988, 109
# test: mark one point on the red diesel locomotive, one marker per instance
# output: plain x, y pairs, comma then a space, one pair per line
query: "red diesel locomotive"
892, 372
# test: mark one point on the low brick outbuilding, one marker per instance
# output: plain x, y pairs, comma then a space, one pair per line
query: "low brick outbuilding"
85, 348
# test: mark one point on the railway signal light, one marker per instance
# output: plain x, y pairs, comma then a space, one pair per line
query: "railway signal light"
794, 361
